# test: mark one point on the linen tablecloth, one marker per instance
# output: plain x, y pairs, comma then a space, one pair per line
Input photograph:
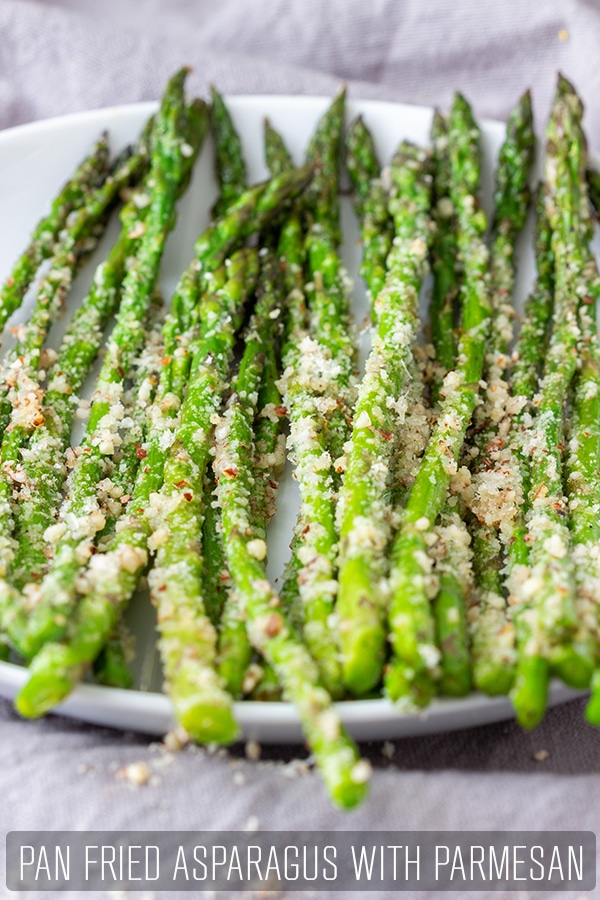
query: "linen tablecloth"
59, 56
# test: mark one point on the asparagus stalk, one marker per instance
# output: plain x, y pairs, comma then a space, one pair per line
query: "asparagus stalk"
321, 199
453, 557
317, 384
496, 486
364, 505
530, 352
216, 579
87, 177
410, 676
188, 640
452, 554
327, 288
277, 155
229, 156
583, 486
269, 632
371, 203
231, 178
235, 650
446, 283
546, 597
292, 257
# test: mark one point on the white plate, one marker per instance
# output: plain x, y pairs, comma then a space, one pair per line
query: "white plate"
34, 161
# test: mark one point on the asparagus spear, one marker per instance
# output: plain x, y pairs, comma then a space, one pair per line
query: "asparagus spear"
87, 177
453, 556
548, 615
327, 288
583, 485
446, 283
235, 650
231, 178
321, 200
292, 257
411, 673
494, 501
229, 157
111, 666
530, 351
215, 577
178, 135
317, 384
188, 640
371, 204
277, 155
269, 632
364, 505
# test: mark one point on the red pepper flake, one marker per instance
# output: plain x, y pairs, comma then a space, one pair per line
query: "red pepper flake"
166, 360
231, 472
273, 625
140, 452
386, 435
188, 496
180, 484
280, 411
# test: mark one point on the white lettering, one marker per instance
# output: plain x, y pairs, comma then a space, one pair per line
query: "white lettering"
330, 862
578, 866
181, 864
556, 864
518, 862
88, 861
537, 862
441, 862
358, 865
26, 862
457, 863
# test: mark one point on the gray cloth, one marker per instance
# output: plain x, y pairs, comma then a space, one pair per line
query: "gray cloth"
68, 55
